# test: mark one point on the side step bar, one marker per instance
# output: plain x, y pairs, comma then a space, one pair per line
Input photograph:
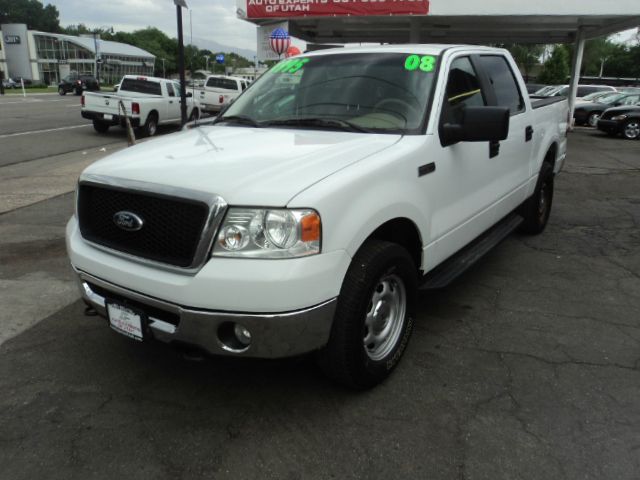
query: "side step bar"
452, 268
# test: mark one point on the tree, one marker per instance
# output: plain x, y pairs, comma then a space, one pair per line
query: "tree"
555, 70
31, 12
526, 56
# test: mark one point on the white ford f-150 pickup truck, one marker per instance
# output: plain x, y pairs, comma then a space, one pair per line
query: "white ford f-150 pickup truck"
147, 101
310, 214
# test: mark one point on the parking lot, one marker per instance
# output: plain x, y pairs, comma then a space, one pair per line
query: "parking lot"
527, 367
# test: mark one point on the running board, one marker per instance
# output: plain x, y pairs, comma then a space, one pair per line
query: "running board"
452, 268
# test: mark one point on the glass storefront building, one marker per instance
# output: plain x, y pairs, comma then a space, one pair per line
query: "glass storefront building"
48, 57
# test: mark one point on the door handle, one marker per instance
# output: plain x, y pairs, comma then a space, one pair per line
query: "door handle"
170, 101
528, 133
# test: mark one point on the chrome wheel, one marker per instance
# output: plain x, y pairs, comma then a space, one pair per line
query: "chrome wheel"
632, 130
152, 129
385, 316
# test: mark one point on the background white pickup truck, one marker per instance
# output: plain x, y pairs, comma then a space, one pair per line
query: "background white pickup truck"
148, 102
310, 214
218, 91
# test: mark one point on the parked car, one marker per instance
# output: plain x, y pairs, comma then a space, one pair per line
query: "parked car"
547, 91
592, 97
589, 113
306, 218
148, 102
534, 87
10, 83
584, 90
78, 84
623, 121
219, 91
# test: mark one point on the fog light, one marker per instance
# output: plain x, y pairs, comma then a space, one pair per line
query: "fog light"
242, 334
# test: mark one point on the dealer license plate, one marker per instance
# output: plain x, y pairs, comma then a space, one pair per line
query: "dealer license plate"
107, 116
125, 321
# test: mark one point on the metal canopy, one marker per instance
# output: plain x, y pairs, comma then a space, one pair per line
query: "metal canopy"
458, 29
461, 21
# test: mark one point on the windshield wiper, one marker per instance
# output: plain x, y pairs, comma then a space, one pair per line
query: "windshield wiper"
240, 119
334, 123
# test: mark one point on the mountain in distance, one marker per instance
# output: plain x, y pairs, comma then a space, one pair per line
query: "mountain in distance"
204, 44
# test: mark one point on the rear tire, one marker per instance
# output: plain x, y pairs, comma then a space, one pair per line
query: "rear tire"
373, 323
537, 208
631, 130
150, 127
100, 127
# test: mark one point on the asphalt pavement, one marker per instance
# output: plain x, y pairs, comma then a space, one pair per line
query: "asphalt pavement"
527, 367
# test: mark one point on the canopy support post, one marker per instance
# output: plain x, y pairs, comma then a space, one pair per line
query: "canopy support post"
576, 66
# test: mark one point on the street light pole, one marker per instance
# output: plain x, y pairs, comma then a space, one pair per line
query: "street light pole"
164, 75
95, 46
183, 93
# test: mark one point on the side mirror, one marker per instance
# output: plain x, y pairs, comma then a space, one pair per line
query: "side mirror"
478, 124
189, 94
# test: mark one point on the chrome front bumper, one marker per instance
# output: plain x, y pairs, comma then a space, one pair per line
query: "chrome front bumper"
273, 335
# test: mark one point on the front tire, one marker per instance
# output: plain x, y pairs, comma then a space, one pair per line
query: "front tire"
631, 130
537, 208
61, 91
373, 323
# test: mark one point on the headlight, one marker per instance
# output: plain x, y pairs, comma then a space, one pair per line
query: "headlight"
268, 233
619, 118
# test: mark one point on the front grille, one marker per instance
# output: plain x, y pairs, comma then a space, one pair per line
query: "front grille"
171, 231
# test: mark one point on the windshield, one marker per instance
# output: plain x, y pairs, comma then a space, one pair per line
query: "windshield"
365, 92
611, 99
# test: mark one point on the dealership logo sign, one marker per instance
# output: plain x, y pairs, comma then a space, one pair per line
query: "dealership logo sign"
12, 39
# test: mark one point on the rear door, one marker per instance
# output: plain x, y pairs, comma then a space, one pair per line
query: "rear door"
173, 101
511, 159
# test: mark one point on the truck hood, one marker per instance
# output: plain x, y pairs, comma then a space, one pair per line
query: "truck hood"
246, 166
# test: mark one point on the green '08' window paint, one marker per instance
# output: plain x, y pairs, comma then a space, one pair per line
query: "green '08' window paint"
426, 63
290, 66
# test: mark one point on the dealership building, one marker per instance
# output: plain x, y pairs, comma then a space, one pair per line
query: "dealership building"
48, 57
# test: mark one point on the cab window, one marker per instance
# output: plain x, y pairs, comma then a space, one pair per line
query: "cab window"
463, 90
170, 91
504, 82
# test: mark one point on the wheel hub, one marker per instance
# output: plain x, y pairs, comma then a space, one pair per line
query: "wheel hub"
385, 317
632, 130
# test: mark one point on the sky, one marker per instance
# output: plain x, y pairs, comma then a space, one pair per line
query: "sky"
212, 20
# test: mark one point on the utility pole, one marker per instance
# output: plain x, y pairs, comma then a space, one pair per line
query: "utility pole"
183, 93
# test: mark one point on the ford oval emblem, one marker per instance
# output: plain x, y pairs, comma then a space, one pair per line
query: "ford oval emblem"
128, 221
